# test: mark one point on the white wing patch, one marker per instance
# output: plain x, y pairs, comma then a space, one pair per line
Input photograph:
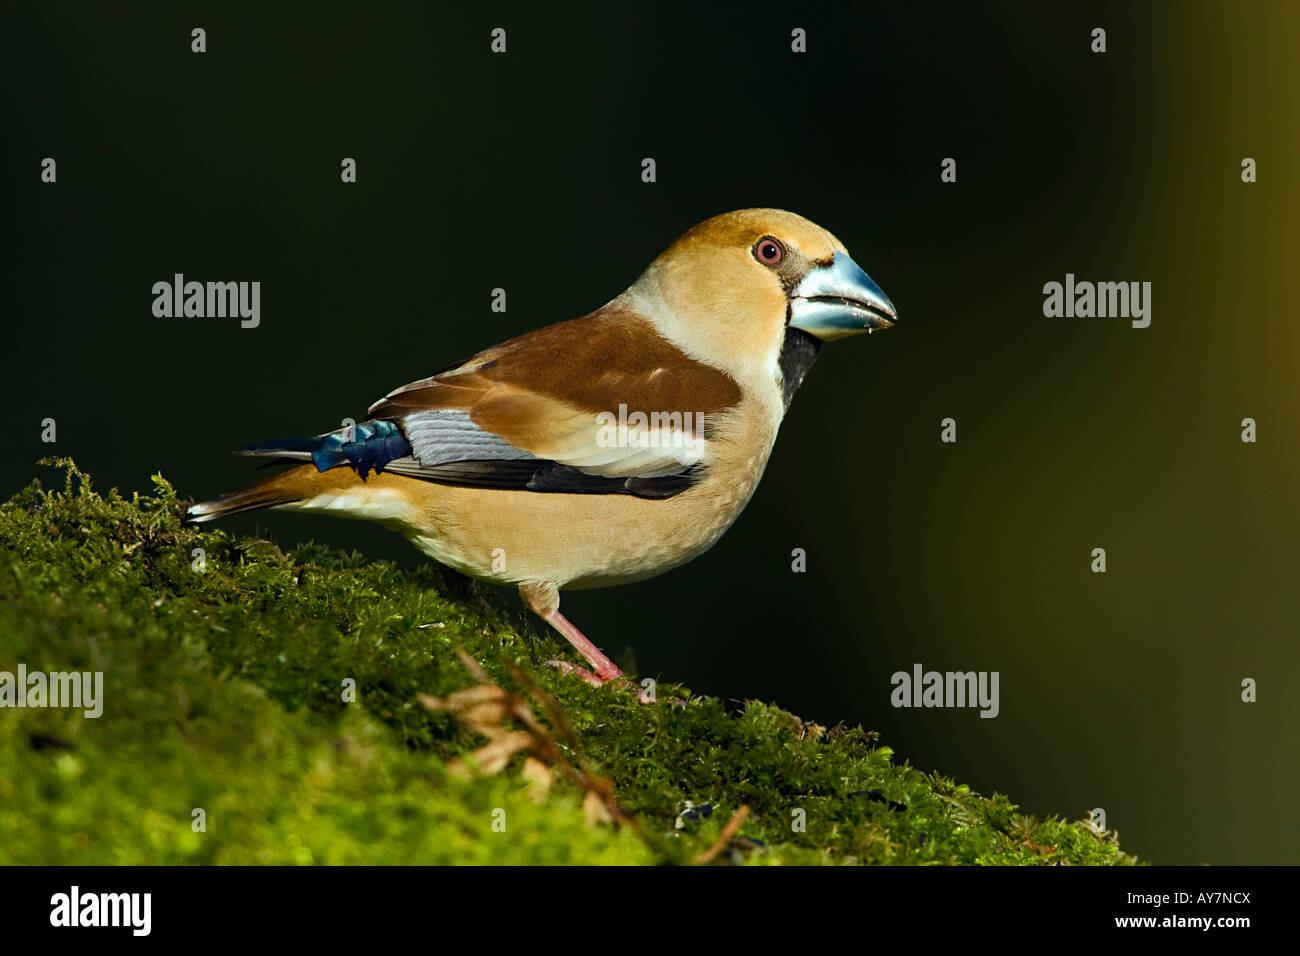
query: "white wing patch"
613, 444
443, 435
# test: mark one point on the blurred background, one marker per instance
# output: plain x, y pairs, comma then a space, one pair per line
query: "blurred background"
522, 171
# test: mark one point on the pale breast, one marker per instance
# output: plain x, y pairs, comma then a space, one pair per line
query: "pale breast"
581, 541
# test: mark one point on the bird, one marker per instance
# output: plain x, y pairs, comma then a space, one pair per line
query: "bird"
601, 450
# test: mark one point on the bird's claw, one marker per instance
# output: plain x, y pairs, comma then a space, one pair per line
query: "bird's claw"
568, 669
644, 695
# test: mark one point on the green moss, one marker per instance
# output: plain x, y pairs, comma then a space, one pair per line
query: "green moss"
223, 691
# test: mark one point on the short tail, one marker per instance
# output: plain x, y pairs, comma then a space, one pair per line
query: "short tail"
282, 489
359, 447
365, 446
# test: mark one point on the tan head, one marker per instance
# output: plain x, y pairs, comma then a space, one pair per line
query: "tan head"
726, 291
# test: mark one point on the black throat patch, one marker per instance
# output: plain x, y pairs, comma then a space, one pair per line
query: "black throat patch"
798, 352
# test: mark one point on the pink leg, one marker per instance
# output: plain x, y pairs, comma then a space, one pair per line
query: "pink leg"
605, 668
543, 599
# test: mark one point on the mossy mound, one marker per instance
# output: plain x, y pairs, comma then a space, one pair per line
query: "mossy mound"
223, 691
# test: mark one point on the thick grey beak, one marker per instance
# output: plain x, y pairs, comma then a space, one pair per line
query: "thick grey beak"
840, 299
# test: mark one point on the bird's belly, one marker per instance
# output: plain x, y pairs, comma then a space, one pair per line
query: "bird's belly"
574, 541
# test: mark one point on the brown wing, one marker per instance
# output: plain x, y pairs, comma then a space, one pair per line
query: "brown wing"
545, 409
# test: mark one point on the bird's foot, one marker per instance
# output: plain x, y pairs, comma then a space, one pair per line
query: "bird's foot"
567, 669
603, 667
603, 670
644, 695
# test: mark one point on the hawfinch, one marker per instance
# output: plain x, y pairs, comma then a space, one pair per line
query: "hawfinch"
602, 450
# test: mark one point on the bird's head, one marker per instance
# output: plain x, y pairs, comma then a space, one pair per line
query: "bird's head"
730, 290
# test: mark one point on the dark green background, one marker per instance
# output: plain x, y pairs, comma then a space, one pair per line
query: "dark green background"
522, 171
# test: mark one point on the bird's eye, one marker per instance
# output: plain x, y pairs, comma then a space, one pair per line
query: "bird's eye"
768, 251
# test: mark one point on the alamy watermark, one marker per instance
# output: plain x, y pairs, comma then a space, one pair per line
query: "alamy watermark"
75, 908
210, 300
1127, 300
650, 430
946, 689
76, 689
